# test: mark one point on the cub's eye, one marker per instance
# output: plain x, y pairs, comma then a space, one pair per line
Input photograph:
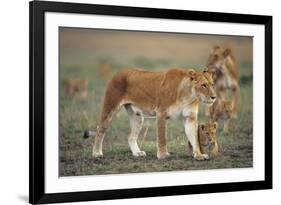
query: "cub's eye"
204, 85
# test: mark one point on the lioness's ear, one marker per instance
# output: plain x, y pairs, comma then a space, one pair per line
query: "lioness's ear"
226, 52
209, 74
211, 71
192, 75
206, 72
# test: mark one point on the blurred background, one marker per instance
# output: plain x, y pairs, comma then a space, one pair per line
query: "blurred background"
130, 48
90, 57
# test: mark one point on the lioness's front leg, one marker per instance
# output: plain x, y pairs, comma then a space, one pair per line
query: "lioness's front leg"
162, 151
191, 127
136, 122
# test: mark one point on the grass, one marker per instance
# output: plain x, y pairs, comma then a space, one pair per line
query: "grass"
77, 115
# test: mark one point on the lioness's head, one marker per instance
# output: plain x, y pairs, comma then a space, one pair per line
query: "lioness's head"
203, 86
207, 134
216, 61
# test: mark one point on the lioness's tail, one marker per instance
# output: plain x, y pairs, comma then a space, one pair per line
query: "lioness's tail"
89, 133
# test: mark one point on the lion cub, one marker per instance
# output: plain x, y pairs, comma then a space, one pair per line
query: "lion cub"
207, 138
221, 110
76, 87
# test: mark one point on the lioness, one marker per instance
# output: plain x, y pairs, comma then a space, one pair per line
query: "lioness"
163, 95
221, 110
222, 64
207, 138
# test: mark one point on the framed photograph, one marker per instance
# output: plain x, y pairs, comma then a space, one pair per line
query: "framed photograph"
130, 102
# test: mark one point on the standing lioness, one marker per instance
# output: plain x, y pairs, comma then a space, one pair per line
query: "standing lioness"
224, 68
174, 93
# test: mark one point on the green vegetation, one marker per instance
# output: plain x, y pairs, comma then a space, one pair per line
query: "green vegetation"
79, 114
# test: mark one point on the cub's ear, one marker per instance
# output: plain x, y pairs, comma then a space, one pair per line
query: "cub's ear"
227, 52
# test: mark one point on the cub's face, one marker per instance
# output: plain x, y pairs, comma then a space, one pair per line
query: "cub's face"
204, 87
226, 109
207, 134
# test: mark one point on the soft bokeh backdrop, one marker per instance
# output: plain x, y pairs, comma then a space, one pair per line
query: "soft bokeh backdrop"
95, 55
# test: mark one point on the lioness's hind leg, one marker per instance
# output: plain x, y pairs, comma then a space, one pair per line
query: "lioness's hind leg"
110, 108
136, 122
101, 130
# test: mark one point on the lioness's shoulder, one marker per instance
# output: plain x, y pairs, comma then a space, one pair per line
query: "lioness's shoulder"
180, 72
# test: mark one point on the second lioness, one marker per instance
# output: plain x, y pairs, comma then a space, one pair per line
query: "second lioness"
224, 68
170, 94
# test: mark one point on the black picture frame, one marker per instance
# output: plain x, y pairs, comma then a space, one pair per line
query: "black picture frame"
37, 9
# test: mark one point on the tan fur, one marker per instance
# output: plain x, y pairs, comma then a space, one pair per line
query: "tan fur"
207, 138
221, 111
222, 64
76, 87
170, 94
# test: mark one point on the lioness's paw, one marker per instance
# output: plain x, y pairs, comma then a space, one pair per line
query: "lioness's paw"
139, 154
97, 154
206, 156
163, 155
201, 157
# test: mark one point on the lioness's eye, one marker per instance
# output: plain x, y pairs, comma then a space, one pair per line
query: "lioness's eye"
204, 85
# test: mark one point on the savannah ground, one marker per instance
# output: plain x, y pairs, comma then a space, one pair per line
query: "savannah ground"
80, 57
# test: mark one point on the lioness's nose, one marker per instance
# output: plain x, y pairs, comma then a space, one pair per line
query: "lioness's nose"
213, 97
